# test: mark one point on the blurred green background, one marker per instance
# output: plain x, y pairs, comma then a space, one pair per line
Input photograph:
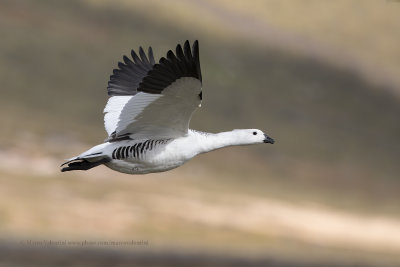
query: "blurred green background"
321, 77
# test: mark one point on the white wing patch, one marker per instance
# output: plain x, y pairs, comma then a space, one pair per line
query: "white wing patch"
113, 110
147, 115
133, 109
119, 114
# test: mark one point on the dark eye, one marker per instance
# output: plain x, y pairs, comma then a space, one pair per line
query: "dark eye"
255, 133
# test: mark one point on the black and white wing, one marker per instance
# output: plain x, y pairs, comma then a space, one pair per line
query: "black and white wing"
151, 100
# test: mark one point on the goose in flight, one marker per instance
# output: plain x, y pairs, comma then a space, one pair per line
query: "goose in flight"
148, 113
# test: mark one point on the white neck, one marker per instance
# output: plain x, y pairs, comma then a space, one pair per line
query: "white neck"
209, 141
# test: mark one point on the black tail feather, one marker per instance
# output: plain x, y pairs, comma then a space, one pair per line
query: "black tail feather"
83, 164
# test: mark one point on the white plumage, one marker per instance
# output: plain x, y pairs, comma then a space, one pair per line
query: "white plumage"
147, 116
112, 111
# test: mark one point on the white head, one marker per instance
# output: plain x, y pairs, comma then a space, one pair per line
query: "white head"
251, 136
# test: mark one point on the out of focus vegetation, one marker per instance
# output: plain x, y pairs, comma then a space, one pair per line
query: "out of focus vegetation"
321, 77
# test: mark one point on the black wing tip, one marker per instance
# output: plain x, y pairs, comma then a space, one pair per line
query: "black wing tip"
126, 78
143, 56
151, 55
195, 48
171, 55
185, 62
134, 56
196, 56
187, 43
143, 65
195, 43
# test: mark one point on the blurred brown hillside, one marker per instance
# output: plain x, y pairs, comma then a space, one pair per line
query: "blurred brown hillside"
56, 59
